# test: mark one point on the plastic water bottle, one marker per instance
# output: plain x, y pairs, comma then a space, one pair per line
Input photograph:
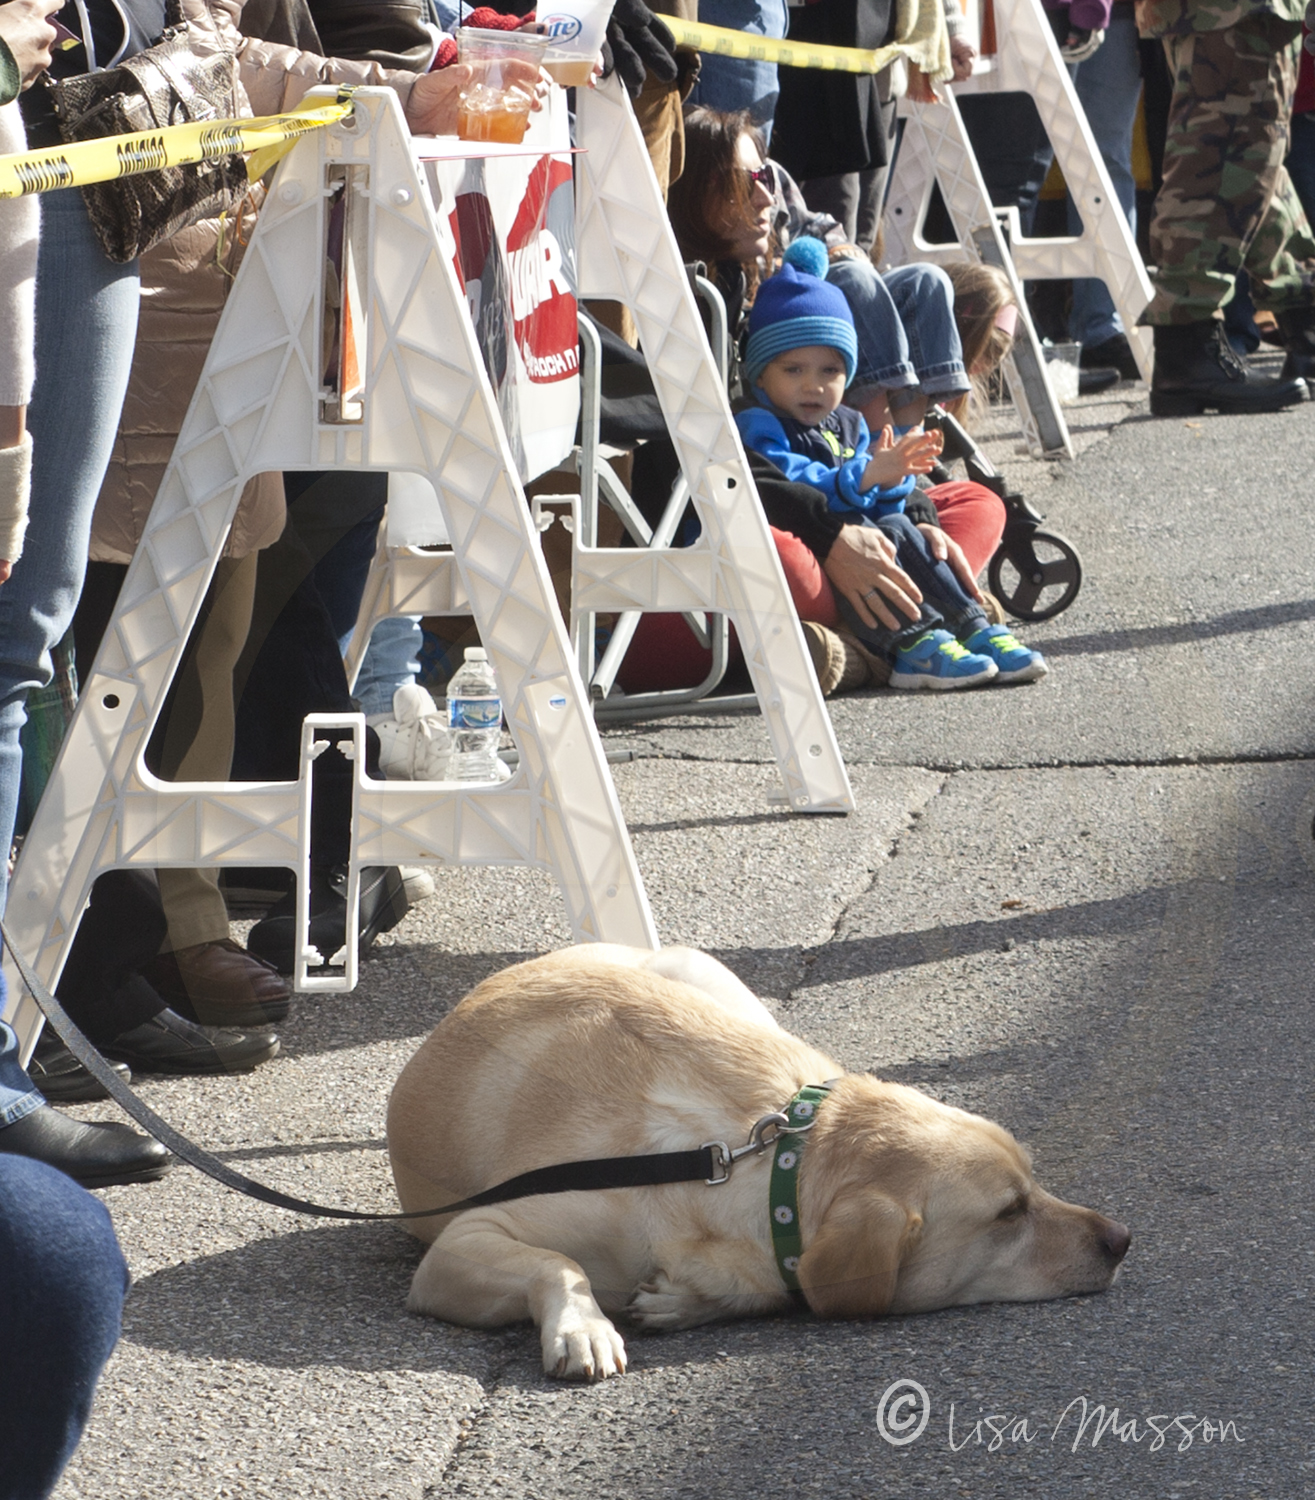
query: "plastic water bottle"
474, 715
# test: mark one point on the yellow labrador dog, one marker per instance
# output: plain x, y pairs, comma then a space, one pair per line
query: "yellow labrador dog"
904, 1204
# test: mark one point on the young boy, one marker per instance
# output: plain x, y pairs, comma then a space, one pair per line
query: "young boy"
801, 354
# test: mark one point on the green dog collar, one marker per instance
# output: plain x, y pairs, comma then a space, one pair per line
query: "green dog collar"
783, 1190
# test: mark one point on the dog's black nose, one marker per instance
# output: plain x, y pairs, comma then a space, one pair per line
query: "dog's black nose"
1116, 1238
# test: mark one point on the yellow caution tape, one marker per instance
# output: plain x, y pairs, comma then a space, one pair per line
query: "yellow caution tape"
272, 136
116, 156
750, 47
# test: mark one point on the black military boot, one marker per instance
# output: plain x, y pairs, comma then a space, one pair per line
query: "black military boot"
1297, 325
1196, 369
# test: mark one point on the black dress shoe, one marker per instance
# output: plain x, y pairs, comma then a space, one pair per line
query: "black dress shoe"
1112, 353
100, 1154
1196, 369
1091, 381
169, 1044
59, 1075
383, 905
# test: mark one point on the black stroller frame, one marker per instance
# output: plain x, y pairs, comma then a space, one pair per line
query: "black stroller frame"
1035, 574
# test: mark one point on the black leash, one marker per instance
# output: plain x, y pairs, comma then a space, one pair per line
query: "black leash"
709, 1163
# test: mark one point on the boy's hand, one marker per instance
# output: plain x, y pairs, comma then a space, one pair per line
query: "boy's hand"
914, 453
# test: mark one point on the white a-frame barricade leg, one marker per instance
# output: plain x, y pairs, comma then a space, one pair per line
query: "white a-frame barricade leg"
1026, 60
425, 406
935, 148
628, 253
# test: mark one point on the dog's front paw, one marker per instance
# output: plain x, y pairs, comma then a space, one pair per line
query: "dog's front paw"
583, 1346
660, 1305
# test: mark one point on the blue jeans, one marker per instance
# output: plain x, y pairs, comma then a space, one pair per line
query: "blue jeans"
1108, 84
62, 1285
392, 659
907, 336
86, 327
944, 606
18, 1097
728, 83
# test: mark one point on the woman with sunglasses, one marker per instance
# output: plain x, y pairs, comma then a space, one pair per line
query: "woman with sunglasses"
730, 209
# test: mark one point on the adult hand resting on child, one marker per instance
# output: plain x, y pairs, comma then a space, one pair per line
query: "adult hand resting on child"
945, 549
861, 565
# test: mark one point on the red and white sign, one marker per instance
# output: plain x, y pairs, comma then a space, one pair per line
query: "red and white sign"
510, 212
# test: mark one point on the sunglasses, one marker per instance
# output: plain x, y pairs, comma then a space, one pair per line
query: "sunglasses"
760, 177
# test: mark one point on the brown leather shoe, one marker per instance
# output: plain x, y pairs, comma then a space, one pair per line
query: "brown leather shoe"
219, 984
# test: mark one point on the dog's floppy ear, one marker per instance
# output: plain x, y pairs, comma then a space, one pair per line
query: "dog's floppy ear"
850, 1269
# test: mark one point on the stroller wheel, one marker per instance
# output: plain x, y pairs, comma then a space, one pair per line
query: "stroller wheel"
1035, 575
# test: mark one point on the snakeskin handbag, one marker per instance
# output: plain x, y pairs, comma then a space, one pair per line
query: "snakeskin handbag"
167, 84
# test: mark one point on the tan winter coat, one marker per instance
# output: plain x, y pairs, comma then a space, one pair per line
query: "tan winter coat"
184, 284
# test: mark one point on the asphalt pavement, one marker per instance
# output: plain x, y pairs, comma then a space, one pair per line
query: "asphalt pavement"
1082, 908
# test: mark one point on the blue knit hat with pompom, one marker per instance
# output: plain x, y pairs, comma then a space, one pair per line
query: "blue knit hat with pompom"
796, 308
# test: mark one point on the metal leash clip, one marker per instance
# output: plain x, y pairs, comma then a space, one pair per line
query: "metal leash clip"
723, 1158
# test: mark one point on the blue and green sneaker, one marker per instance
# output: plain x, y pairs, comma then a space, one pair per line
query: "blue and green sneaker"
937, 662
1016, 662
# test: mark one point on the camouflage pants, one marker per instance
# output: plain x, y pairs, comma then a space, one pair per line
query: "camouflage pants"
1226, 203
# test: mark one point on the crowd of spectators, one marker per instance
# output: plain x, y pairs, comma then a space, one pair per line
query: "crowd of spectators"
775, 179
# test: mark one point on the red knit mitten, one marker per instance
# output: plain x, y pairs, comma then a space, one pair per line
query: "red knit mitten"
488, 19
484, 17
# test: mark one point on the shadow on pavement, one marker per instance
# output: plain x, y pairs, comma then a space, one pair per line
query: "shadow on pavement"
1186, 632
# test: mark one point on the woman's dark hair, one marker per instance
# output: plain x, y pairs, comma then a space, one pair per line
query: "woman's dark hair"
713, 189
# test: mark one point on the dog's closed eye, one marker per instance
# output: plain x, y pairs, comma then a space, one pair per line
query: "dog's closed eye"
1016, 1208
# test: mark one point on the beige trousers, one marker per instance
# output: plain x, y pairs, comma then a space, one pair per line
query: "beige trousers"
198, 743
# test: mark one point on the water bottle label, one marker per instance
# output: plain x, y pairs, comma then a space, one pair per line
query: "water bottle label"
474, 713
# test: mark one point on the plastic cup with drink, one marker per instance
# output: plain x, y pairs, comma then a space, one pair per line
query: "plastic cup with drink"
575, 30
491, 107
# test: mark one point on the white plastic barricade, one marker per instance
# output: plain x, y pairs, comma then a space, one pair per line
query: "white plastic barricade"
627, 252
1026, 60
935, 148
408, 393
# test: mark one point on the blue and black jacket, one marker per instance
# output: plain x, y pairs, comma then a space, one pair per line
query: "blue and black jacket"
831, 456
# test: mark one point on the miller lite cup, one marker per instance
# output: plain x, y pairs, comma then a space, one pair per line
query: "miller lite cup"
575, 30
